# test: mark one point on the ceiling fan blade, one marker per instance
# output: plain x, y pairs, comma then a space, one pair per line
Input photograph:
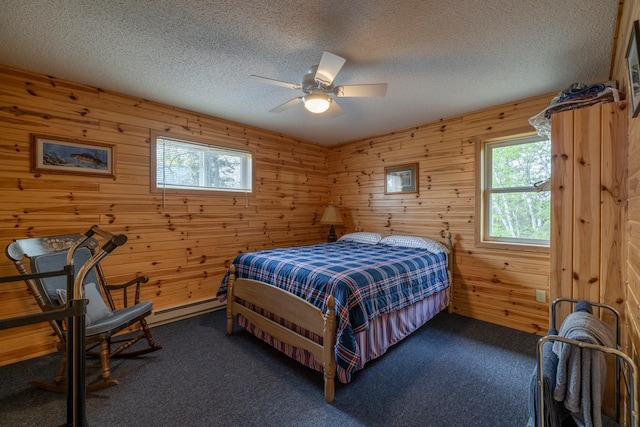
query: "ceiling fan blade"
366, 90
334, 109
277, 82
329, 67
286, 105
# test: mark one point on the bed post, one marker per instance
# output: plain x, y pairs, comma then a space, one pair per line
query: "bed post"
450, 269
230, 298
328, 356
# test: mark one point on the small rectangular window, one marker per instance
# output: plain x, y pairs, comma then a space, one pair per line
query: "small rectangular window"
515, 207
185, 165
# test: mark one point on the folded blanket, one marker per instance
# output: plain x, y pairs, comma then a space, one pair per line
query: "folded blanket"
579, 91
542, 120
581, 373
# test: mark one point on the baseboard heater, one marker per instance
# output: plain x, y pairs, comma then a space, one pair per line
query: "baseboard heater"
183, 311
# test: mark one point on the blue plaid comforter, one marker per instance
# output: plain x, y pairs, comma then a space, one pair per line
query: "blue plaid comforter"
366, 281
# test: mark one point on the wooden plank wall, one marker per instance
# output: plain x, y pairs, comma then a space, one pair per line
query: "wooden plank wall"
588, 198
492, 285
588, 201
184, 243
630, 13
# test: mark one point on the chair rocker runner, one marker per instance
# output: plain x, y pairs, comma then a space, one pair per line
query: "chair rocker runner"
103, 322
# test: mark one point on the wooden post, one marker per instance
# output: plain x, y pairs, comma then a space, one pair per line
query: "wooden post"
328, 357
230, 298
449, 244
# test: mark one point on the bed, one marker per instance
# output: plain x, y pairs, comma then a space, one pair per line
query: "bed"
335, 306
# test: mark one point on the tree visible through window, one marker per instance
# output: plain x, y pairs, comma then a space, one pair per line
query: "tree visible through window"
189, 165
516, 207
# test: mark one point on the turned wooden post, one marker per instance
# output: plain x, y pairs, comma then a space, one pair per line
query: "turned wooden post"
449, 244
329, 343
230, 298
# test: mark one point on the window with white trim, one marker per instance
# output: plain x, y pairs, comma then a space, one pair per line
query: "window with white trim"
187, 165
515, 198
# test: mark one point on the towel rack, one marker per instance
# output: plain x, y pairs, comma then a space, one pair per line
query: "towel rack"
623, 363
75, 314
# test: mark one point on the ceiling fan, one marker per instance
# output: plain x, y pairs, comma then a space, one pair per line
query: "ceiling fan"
318, 87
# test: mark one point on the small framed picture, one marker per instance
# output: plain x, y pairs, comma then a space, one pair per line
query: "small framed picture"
401, 179
633, 64
69, 156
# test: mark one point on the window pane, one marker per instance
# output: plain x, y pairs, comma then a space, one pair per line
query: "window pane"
513, 211
182, 164
177, 164
524, 215
224, 170
520, 164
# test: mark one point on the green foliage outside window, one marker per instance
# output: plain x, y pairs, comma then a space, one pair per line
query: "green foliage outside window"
188, 165
516, 209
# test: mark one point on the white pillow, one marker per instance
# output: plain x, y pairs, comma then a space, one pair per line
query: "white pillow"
96, 308
415, 242
361, 237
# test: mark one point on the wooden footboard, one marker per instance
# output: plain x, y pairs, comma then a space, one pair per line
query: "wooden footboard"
288, 307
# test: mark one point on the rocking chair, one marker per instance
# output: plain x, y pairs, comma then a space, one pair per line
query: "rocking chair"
103, 322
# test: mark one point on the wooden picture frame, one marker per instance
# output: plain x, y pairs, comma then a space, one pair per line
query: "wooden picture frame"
53, 154
633, 65
401, 179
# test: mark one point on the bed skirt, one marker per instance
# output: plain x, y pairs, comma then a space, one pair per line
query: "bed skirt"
383, 332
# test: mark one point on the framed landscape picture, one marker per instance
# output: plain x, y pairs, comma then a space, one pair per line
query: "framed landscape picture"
401, 179
68, 156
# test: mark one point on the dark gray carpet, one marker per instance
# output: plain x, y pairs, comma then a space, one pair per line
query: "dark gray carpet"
454, 371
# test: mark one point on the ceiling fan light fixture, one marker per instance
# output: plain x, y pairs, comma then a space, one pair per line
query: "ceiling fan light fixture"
317, 102
319, 89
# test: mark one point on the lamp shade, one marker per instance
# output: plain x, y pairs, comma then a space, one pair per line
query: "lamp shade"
316, 102
331, 216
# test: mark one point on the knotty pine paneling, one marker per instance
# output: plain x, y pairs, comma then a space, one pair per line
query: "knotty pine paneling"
182, 242
630, 11
491, 285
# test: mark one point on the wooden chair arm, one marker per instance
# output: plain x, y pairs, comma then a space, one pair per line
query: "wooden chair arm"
135, 281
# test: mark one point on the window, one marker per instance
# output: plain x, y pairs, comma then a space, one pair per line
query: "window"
185, 165
515, 198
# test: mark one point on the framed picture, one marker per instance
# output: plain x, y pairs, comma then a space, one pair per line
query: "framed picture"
60, 155
401, 179
633, 64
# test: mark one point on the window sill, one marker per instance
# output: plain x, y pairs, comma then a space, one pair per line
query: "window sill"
513, 247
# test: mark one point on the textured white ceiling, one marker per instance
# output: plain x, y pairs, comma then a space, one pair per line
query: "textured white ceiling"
439, 58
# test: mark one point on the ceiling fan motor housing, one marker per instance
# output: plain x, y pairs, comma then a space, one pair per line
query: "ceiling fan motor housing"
311, 85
